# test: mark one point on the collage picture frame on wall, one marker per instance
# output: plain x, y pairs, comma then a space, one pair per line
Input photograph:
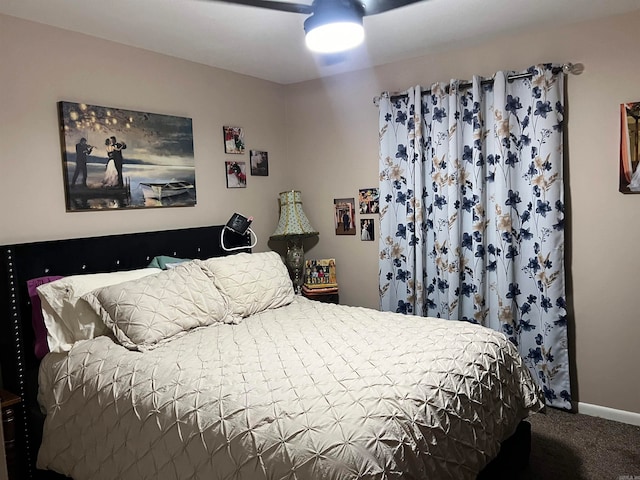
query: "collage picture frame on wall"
236, 171
368, 204
345, 210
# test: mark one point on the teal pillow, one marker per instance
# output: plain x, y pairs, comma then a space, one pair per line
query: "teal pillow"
163, 262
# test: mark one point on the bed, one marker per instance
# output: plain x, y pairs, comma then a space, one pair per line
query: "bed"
215, 369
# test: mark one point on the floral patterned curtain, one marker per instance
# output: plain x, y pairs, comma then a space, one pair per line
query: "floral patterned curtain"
472, 212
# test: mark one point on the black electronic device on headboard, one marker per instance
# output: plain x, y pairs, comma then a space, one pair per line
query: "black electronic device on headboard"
239, 223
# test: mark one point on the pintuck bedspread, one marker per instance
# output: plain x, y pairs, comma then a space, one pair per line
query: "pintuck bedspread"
303, 391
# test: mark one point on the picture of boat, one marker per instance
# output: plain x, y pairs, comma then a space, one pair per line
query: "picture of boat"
158, 191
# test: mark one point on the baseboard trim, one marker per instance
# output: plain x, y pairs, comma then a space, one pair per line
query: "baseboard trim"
623, 416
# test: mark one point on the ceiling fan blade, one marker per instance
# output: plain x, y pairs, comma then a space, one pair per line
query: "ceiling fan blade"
273, 5
372, 7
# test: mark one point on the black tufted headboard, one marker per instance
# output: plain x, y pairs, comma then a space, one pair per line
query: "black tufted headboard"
21, 262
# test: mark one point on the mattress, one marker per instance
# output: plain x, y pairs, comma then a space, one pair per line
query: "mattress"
304, 391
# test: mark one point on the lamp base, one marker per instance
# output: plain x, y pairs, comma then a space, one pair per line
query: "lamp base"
295, 263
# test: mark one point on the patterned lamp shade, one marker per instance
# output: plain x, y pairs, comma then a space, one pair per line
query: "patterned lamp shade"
293, 222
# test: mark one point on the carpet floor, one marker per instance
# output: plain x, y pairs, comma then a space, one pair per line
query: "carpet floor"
573, 446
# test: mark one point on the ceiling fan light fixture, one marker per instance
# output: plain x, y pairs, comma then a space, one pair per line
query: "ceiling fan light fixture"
335, 26
335, 37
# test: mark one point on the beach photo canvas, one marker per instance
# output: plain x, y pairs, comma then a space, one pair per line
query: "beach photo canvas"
118, 159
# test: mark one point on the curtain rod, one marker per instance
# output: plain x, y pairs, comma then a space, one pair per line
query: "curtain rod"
566, 68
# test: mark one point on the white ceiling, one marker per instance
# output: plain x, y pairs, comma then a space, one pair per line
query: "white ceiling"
270, 45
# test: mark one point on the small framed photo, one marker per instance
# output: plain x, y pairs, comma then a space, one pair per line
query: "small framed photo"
259, 163
344, 216
366, 229
369, 200
233, 139
236, 174
630, 148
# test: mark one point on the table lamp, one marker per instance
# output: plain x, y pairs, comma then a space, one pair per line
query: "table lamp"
293, 227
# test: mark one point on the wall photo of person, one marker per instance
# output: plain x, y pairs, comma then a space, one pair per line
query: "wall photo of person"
366, 230
259, 163
233, 140
236, 174
344, 216
369, 200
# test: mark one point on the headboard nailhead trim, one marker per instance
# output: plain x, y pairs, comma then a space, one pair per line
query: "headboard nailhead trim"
20, 364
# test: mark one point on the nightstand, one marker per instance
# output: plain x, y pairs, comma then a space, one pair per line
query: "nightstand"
9, 402
324, 297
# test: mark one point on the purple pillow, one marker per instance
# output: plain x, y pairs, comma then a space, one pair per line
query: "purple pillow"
37, 321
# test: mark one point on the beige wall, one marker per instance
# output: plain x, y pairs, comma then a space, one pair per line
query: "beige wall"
43, 65
322, 139
332, 127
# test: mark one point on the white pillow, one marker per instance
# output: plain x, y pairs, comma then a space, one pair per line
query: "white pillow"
253, 282
147, 312
67, 317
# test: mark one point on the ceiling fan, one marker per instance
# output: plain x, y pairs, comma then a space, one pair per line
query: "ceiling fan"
334, 25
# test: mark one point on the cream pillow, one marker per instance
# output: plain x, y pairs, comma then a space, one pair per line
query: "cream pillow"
253, 282
67, 317
149, 311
